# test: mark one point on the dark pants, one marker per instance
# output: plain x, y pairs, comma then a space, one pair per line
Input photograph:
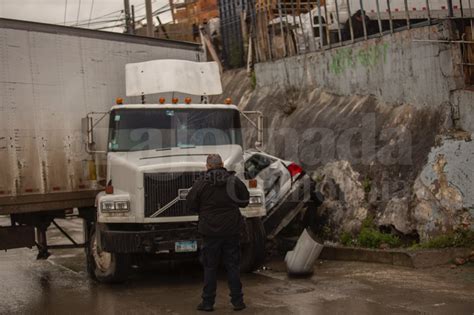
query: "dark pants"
213, 251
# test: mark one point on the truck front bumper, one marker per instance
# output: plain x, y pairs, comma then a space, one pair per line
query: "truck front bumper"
154, 241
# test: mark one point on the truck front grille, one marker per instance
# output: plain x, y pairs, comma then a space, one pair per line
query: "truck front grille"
163, 188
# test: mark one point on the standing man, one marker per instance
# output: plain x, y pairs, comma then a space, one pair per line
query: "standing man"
217, 198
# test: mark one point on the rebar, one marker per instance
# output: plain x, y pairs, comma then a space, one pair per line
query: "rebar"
390, 16
364, 24
379, 20
321, 41
407, 13
339, 34
351, 28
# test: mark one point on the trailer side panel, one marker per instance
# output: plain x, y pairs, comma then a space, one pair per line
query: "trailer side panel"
50, 78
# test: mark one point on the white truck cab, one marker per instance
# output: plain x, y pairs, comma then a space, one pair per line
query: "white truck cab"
155, 152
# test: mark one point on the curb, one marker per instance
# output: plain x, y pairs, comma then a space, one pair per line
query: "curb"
407, 258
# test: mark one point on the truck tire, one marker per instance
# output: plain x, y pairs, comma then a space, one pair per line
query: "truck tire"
253, 252
103, 266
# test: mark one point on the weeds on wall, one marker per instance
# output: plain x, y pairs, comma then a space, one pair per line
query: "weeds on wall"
459, 238
253, 80
370, 237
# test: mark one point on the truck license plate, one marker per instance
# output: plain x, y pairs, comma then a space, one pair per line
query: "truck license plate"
185, 246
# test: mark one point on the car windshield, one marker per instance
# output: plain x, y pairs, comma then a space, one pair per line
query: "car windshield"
163, 129
255, 164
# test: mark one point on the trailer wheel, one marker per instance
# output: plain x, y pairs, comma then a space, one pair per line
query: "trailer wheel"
103, 266
253, 252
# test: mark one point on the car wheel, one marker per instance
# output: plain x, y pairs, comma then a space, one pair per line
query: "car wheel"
253, 251
103, 266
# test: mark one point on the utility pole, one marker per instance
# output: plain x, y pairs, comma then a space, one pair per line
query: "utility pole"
133, 20
128, 26
149, 19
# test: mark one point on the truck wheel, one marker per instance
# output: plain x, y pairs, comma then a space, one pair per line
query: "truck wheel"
103, 266
253, 252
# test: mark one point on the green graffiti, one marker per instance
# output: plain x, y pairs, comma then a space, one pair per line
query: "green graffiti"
346, 58
342, 60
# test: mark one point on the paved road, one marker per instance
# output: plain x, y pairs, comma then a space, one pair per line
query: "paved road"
60, 286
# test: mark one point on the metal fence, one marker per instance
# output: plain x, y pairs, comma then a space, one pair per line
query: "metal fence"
283, 28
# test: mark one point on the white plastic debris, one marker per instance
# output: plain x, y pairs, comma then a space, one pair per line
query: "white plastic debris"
301, 259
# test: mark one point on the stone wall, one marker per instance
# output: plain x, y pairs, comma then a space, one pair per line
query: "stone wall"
396, 69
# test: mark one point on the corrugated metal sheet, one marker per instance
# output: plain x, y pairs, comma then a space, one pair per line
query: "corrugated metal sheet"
50, 78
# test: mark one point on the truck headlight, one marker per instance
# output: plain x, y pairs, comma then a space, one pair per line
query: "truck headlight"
122, 206
255, 200
110, 206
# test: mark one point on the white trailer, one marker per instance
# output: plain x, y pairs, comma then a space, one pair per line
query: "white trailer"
51, 77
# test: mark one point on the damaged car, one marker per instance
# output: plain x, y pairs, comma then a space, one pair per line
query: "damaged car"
289, 190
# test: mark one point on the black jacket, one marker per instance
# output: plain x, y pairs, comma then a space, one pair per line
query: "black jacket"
217, 198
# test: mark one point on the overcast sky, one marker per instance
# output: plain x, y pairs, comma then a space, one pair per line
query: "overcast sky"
55, 11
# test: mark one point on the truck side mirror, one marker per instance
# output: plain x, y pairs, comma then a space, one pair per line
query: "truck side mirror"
88, 125
258, 125
88, 131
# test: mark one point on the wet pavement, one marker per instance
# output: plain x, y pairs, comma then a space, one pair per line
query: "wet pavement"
60, 285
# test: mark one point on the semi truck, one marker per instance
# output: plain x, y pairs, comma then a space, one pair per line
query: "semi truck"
124, 167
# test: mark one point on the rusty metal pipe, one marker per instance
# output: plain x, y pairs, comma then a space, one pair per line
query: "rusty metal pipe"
339, 34
429, 11
379, 20
351, 28
321, 39
390, 16
407, 13
364, 25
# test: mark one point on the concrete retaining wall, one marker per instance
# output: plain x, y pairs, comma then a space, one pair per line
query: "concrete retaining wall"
463, 101
396, 69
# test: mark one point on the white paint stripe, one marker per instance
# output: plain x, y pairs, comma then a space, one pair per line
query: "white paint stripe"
63, 267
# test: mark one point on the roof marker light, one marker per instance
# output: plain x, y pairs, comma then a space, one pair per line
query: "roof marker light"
162, 100
119, 101
228, 101
187, 100
174, 100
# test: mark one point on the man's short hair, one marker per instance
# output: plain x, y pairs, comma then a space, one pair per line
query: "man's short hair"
214, 161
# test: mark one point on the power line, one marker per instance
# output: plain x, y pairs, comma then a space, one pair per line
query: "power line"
77, 22
65, 11
114, 22
72, 23
90, 13
78, 11
119, 19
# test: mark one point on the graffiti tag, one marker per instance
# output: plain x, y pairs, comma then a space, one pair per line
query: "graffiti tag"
346, 58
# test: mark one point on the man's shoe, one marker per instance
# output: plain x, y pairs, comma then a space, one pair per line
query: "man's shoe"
239, 306
205, 307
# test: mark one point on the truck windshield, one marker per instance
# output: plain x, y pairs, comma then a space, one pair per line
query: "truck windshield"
162, 129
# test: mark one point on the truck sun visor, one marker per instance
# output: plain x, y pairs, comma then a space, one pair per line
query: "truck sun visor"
160, 76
